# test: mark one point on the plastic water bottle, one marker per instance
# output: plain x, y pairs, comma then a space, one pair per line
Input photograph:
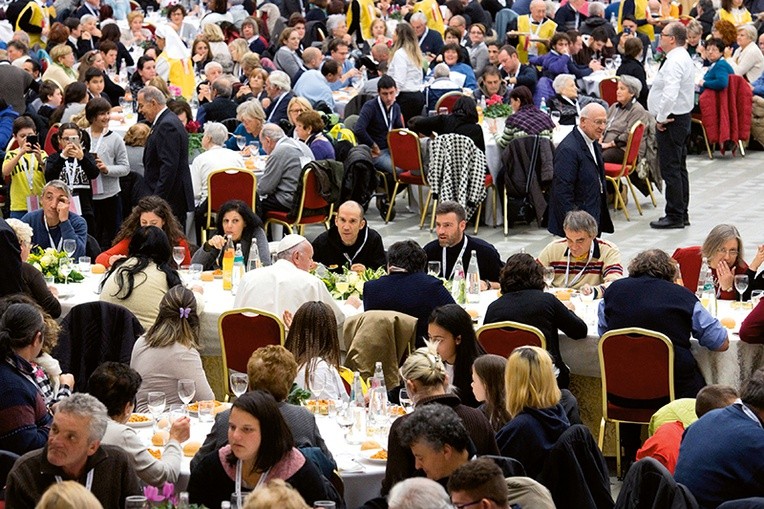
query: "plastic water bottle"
614, 22
253, 260
473, 279
356, 396
238, 269
708, 299
704, 271
228, 255
378, 399
543, 107
459, 283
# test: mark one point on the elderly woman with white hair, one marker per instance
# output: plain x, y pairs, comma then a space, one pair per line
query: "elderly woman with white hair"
747, 61
252, 118
621, 116
567, 101
32, 280
278, 87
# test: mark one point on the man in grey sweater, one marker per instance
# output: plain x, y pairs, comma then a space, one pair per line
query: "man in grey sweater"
286, 158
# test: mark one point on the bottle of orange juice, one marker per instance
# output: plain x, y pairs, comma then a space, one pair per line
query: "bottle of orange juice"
228, 255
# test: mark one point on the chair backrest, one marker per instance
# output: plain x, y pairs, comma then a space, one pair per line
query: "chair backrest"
49, 148
631, 153
447, 101
637, 365
244, 330
405, 151
230, 184
231, 124
502, 338
608, 88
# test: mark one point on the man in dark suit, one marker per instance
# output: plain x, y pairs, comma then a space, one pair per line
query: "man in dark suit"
513, 72
10, 253
569, 17
430, 41
407, 288
165, 157
92, 7
579, 173
277, 86
221, 107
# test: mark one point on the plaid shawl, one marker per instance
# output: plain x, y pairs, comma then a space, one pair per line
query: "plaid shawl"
530, 120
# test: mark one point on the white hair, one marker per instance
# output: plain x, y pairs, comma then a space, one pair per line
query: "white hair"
418, 493
272, 132
22, 230
596, 9
561, 80
280, 80
213, 65
85, 405
441, 70
216, 132
632, 83
418, 16
334, 21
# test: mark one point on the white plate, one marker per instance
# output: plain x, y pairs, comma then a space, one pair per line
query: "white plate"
142, 424
367, 456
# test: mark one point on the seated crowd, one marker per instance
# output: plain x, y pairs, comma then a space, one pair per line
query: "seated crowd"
217, 86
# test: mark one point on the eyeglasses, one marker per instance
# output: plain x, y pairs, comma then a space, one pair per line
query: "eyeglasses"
725, 252
298, 110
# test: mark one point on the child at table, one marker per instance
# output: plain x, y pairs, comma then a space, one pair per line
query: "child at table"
24, 165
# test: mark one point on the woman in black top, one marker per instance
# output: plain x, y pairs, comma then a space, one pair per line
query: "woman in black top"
524, 300
463, 120
631, 66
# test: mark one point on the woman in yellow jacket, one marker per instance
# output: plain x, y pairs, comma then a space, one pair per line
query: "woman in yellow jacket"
174, 63
735, 12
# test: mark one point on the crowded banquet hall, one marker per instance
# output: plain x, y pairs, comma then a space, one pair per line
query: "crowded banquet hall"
381, 253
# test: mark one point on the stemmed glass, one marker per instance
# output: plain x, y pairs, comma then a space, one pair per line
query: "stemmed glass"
186, 391
548, 276
555, 115
741, 285
345, 418
406, 402
433, 268
239, 382
156, 402
70, 246
178, 254
241, 142
316, 387
65, 268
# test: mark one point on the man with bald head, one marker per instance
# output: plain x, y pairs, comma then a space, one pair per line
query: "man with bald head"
313, 84
350, 242
579, 173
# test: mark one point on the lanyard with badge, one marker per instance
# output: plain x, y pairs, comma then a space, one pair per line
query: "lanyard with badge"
276, 107
581, 273
461, 254
530, 46
50, 237
260, 482
388, 118
351, 258
88, 480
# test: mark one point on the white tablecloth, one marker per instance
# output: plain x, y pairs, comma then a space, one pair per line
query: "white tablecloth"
362, 484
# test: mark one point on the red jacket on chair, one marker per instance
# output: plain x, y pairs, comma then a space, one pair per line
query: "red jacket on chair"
726, 114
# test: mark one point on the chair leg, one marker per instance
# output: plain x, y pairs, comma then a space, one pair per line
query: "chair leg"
495, 204
650, 189
705, 138
392, 203
601, 438
421, 207
506, 219
634, 195
618, 449
432, 217
742, 148
423, 211
477, 217
618, 201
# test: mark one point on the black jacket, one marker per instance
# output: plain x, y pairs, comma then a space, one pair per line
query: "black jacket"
632, 67
367, 250
10, 253
648, 480
219, 109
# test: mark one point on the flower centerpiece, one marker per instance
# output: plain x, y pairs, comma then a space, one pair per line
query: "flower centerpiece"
164, 499
495, 107
193, 129
47, 260
352, 284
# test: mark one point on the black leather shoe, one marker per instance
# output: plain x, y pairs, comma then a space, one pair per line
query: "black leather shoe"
687, 221
665, 223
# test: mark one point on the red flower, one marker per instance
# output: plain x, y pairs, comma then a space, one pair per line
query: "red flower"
494, 99
192, 127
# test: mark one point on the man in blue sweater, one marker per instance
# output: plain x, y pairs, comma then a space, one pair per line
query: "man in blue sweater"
722, 454
376, 119
54, 223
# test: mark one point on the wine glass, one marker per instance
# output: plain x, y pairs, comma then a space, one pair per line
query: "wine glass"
555, 115
186, 390
342, 284
239, 383
241, 142
548, 276
405, 399
316, 387
65, 268
741, 285
254, 148
345, 418
156, 402
70, 246
178, 254
433, 268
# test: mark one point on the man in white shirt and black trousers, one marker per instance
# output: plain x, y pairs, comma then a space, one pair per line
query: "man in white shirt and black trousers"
671, 100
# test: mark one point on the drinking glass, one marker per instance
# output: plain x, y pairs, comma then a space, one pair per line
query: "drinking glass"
345, 418
237, 500
65, 268
84, 264
70, 246
149, 11
254, 148
343, 285
741, 285
241, 142
756, 297
609, 64
406, 401
548, 276
156, 402
186, 390
555, 117
136, 502
178, 254
178, 411
433, 268
324, 504
239, 382
316, 387
195, 271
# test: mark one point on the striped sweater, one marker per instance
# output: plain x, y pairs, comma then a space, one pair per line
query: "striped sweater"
603, 268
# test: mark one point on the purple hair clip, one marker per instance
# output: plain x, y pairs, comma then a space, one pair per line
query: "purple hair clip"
184, 312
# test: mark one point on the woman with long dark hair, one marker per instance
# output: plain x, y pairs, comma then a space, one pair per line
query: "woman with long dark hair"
140, 281
238, 222
313, 341
260, 448
451, 329
150, 211
488, 388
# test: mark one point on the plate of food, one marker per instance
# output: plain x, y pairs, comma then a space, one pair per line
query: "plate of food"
377, 456
193, 408
137, 420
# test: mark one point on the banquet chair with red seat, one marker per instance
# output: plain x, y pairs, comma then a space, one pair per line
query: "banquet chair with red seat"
225, 185
608, 88
501, 338
406, 155
637, 370
312, 208
49, 148
447, 101
241, 332
614, 172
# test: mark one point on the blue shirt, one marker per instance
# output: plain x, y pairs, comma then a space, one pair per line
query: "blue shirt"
313, 86
75, 228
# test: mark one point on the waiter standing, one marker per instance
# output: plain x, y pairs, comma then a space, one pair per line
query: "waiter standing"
671, 99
